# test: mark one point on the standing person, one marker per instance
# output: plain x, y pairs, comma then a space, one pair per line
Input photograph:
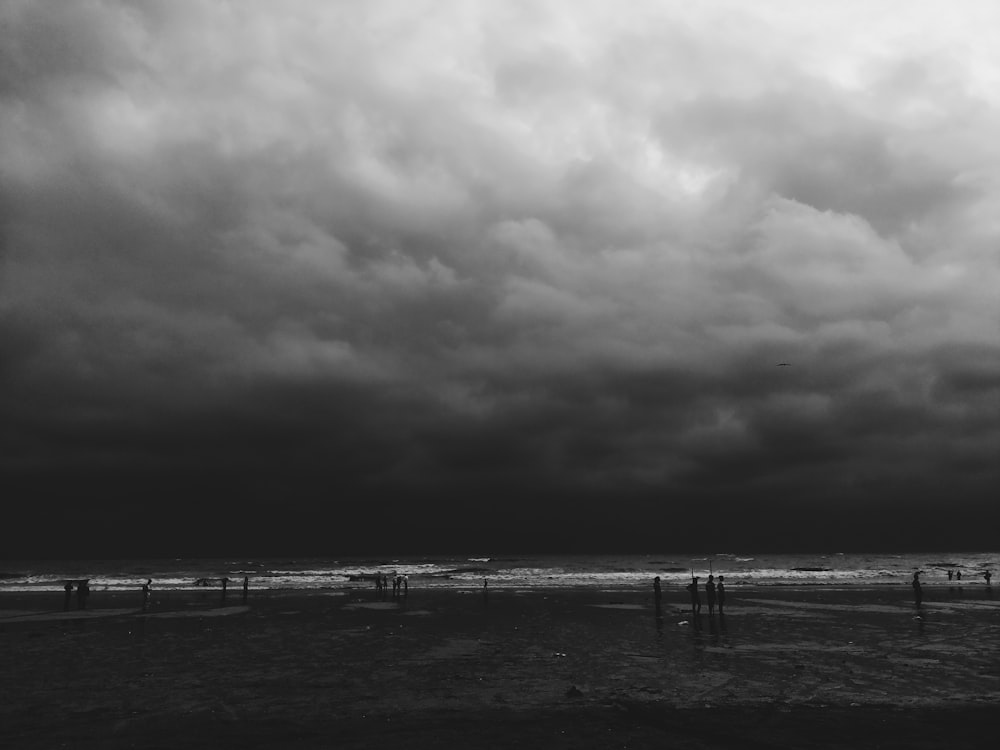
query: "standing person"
695, 598
657, 594
145, 594
68, 589
951, 574
918, 594
406, 585
988, 576
246, 588
82, 592
225, 583
710, 595
720, 593
958, 575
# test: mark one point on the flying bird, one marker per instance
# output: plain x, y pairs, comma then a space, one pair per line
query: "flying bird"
783, 364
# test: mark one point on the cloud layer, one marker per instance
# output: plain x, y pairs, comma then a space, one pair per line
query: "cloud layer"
541, 258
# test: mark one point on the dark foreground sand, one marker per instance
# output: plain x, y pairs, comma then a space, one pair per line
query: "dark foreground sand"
568, 668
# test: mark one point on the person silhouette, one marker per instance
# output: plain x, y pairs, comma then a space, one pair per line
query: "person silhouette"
68, 595
246, 588
225, 583
695, 599
988, 576
958, 575
720, 593
657, 593
145, 594
918, 594
82, 592
951, 574
710, 595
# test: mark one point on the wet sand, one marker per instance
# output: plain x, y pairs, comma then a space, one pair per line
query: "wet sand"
569, 668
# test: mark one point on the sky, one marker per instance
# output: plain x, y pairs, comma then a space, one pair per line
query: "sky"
341, 277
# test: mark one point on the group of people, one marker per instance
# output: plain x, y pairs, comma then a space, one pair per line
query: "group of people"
400, 585
956, 575
225, 585
82, 588
715, 595
918, 592
82, 592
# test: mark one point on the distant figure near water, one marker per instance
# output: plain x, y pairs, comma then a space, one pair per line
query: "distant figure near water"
68, 588
710, 595
695, 598
82, 592
720, 593
225, 583
246, 588
657, 594
145, 594
989, 577
918, 594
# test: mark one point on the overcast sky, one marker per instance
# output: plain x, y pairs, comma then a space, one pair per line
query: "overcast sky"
305, 277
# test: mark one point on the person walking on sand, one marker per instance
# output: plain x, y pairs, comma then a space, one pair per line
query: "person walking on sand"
720, 593
145, 594
918, 594
246, 588
68, 595
988, 576
657, 594
710, 595
695, 598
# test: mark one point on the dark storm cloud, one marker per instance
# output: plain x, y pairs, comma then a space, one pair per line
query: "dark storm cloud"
428, 258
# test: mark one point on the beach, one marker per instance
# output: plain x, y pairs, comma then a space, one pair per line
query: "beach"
572, 667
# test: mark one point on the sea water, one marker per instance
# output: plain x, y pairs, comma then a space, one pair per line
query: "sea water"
510, 571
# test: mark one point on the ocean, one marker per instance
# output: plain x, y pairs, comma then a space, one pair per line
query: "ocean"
504, 571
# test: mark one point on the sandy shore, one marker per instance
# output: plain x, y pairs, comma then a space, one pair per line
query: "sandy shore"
569, 668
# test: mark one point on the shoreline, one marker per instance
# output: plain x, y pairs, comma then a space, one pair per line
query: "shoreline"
51, 601
347, 669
